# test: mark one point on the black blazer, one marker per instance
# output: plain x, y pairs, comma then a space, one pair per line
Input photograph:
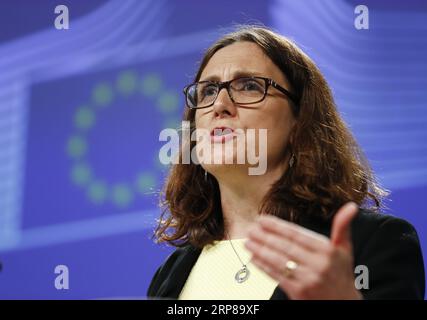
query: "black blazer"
387, 245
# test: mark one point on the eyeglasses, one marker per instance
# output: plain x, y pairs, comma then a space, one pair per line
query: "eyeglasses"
246, 90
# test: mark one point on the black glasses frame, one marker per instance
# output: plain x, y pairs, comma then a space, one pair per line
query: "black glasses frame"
226, 84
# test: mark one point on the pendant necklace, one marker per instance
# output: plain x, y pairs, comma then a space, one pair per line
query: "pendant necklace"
243, 273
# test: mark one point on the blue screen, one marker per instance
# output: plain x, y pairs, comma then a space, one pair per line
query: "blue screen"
81, 110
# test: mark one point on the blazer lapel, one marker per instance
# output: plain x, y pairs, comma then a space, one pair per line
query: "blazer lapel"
173, 284
278, 294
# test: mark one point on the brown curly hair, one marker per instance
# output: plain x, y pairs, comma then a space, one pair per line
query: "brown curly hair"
330, 168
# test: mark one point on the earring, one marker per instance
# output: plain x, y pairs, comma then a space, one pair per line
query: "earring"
206, 176
292, 161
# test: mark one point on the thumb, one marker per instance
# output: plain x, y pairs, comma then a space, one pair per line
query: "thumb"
341, 225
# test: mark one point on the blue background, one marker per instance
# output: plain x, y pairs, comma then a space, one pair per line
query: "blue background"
81, 111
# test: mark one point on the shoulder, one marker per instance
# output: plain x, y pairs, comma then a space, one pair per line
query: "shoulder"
172, 260
369, 225
373, 220
371, 228
365, 225
390, 249
176, 257
179, 259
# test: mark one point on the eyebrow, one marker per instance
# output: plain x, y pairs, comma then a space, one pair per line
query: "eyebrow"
237, 74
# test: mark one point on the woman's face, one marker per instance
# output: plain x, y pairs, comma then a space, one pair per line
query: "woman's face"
273, 113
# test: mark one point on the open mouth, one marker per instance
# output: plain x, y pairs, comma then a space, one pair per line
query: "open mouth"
221, 134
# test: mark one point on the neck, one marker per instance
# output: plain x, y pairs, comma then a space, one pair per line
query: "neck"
241, 198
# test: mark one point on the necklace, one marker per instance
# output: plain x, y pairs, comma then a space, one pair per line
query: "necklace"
243, 273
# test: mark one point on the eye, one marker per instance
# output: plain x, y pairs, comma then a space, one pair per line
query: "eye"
248, 85
251, 85
208, 90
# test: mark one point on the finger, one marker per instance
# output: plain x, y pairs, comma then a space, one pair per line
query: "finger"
309, 239
289, 285
276, 262
281, 245
341, 226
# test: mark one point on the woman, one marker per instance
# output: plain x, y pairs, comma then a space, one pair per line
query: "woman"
304, 229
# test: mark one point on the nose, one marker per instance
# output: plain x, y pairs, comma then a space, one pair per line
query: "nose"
223, 105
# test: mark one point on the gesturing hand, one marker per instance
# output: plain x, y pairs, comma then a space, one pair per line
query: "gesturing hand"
306, 264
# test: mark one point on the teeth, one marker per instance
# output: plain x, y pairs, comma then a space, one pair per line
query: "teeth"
220, 132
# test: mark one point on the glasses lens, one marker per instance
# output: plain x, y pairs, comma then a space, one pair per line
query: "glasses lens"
191, 96
242, 90
247, 90
201, 94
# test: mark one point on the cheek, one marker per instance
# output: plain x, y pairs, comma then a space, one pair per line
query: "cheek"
279, 129
199, 121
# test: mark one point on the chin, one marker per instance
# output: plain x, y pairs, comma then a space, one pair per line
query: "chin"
226, 169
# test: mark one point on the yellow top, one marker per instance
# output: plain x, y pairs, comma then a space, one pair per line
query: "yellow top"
212, 277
